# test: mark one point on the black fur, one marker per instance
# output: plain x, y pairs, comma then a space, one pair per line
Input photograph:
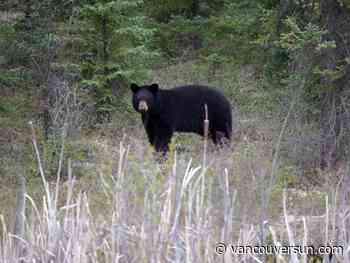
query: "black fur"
182, 109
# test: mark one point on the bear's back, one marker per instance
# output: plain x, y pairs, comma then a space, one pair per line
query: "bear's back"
196, 94
186, 106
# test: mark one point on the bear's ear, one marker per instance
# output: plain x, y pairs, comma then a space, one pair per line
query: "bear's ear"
134, 88
154, 88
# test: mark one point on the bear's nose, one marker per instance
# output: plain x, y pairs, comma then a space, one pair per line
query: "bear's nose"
143, 106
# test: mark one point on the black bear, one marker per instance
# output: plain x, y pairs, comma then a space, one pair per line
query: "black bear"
181, 109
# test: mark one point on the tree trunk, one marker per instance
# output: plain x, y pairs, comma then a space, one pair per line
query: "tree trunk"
105, 54
194, 8
335, 128
283, 11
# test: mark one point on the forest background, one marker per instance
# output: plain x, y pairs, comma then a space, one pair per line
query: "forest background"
66, 119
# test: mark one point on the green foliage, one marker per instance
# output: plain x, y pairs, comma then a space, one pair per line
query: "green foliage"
115, 45
8, 78
11, 51
6, 31
228, 33
114, 42
297, 39
168, 8
6, 107
180, 35
165, 11
235, 31
345, 3
304, 46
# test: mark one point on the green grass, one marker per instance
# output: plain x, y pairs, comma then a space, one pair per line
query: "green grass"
116, 202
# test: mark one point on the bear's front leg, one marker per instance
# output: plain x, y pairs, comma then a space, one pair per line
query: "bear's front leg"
161, 142
150, 134
149, 127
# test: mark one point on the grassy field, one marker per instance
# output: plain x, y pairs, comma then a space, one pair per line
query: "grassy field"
109, 200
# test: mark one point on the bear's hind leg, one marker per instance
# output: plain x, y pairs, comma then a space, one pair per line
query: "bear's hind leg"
221, 139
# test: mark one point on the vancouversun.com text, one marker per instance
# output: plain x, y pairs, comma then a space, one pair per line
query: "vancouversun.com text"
223, 248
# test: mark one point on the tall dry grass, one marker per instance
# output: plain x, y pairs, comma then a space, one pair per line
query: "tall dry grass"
137, 210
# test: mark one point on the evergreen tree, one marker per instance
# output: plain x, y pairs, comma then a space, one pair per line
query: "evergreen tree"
115, 44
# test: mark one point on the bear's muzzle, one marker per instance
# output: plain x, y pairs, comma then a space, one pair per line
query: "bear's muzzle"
143, 106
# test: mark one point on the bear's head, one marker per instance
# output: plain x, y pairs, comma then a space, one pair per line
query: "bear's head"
145, 98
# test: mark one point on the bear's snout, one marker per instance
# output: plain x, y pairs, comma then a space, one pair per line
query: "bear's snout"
143, 106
